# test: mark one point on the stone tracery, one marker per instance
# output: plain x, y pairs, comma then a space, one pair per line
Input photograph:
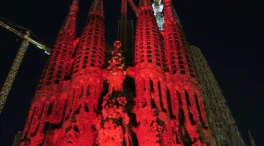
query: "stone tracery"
167, 109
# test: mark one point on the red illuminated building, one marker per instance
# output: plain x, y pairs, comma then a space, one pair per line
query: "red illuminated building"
155, 102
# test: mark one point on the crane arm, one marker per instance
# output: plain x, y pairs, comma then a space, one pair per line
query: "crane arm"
134, 7
17, 62
39, 45
11, 29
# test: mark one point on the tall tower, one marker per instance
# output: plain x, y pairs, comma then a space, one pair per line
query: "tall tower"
59, 66
188, 114
85, 86
79, 102
47, 103
151, 108
220, 119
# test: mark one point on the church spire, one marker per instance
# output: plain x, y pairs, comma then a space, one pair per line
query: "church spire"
74, 8
91, 49
86, 79
149, 81
148, 42
55, 72
97, 7
171, 15
59, 67
70, 22
177, 59
187, 98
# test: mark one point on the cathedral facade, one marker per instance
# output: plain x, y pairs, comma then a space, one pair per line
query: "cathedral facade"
79, 102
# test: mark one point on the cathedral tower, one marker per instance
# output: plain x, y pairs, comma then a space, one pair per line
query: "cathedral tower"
85, 86
220, 119
188, 114
151, 108
79, 102
59, 66
57, 69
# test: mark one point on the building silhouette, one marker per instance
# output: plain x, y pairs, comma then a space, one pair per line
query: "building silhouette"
152, 97
221, 122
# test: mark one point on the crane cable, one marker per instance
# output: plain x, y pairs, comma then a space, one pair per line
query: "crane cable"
19, 26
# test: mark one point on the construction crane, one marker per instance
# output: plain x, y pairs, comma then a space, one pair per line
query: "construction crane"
17, 62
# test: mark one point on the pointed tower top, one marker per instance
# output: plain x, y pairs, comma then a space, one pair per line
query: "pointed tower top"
170, 14
70, 22
74, 8
97, 7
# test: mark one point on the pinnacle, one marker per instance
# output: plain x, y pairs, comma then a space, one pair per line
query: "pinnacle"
75, 2
97, 6
74, 7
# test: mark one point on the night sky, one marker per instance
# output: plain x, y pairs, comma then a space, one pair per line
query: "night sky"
229, 33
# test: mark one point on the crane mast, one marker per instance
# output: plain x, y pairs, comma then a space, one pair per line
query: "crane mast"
12, 74
17, 62
26, 37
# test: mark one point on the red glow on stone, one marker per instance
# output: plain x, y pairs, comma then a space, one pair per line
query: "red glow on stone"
72, 108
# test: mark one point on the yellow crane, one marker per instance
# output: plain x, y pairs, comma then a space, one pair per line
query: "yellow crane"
17, 62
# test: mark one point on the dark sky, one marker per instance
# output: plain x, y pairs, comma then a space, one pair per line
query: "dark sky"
229, 33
